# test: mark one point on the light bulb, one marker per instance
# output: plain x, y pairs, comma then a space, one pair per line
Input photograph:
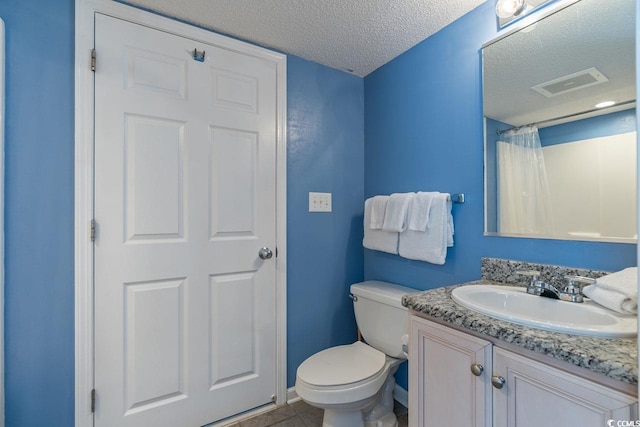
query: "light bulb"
508, 8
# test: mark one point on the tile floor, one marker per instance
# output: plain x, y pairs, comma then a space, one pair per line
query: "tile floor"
300, 414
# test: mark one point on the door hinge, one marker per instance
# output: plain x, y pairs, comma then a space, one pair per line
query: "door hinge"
93, 60
93, 400
93, 230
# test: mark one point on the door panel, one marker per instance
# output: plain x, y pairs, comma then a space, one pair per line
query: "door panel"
154, 178
233, 183
536, 394
233, 355
184, 199
154, 371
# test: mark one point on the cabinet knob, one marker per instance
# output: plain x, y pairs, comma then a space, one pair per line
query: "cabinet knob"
497, 381
477, 369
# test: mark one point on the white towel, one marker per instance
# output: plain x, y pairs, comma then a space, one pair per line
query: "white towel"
617, 291
450, 229
378, 240
624, 281
395, 216
378, 207
613, 300
430, 245
419, 211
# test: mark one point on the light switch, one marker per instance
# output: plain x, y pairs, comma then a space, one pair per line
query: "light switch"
319, 202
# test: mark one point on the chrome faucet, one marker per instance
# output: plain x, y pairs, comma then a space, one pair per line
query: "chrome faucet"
571, 292
538, 287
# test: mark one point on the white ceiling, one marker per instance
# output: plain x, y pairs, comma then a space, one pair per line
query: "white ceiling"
354, 35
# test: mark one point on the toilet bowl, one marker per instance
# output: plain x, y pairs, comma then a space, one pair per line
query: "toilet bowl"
346, 381
354, 383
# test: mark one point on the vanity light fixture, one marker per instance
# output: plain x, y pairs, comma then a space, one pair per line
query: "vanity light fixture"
509, 8
605, 104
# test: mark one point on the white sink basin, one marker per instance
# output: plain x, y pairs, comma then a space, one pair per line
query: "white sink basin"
514, 305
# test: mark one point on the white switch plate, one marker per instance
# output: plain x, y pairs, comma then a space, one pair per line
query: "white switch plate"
319, 202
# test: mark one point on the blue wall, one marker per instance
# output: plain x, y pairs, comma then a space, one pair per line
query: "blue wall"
39, 309
325, 154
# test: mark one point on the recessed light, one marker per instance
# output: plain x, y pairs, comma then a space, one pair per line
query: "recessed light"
605, 104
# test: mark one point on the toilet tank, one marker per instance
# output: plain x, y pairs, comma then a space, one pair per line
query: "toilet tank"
381, 318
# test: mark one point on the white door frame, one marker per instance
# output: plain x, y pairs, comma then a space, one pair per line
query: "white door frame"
85, 11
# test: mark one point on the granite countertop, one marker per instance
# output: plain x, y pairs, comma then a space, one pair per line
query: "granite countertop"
615, 358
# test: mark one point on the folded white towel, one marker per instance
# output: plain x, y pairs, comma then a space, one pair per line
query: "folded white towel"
376, 239
419, 211
430, 245
450, 229
378, 207
613, 300
395, 216
624, 281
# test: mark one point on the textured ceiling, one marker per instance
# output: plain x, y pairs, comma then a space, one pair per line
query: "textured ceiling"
590, 33
354, 35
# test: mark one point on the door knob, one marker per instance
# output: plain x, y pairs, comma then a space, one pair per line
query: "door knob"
497, 381
265, 253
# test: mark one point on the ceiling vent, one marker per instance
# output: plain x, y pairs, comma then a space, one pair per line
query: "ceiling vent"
574, 81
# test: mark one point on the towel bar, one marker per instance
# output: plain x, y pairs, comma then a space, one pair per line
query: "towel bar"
457, 198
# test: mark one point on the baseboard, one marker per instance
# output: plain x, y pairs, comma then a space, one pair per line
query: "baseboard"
401, 396
292, 396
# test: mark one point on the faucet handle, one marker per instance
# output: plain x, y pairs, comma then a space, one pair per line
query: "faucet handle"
573, 283
572, 291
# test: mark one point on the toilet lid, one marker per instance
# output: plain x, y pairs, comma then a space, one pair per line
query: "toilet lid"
344, 364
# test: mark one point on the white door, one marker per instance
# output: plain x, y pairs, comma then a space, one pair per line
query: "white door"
184, 199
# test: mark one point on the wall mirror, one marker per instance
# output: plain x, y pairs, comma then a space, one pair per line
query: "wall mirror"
557, 166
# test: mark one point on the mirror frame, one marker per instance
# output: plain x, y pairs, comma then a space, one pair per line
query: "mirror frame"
544, 11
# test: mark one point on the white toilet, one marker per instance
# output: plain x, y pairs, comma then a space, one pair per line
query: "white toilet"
354, 383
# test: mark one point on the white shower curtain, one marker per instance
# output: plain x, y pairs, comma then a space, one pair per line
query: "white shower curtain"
524, 205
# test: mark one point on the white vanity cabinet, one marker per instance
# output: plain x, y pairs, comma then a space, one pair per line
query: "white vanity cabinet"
442, 389
445, 390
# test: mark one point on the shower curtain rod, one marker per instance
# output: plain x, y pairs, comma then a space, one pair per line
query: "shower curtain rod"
622, 104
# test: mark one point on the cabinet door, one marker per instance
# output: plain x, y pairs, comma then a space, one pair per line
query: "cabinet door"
442, 388
537, 395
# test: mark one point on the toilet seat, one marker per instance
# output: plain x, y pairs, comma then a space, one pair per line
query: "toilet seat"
346, 373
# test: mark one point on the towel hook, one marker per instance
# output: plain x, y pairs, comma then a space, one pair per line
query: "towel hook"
198, 56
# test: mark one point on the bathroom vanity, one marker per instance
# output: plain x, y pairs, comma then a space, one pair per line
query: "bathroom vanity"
470, 369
